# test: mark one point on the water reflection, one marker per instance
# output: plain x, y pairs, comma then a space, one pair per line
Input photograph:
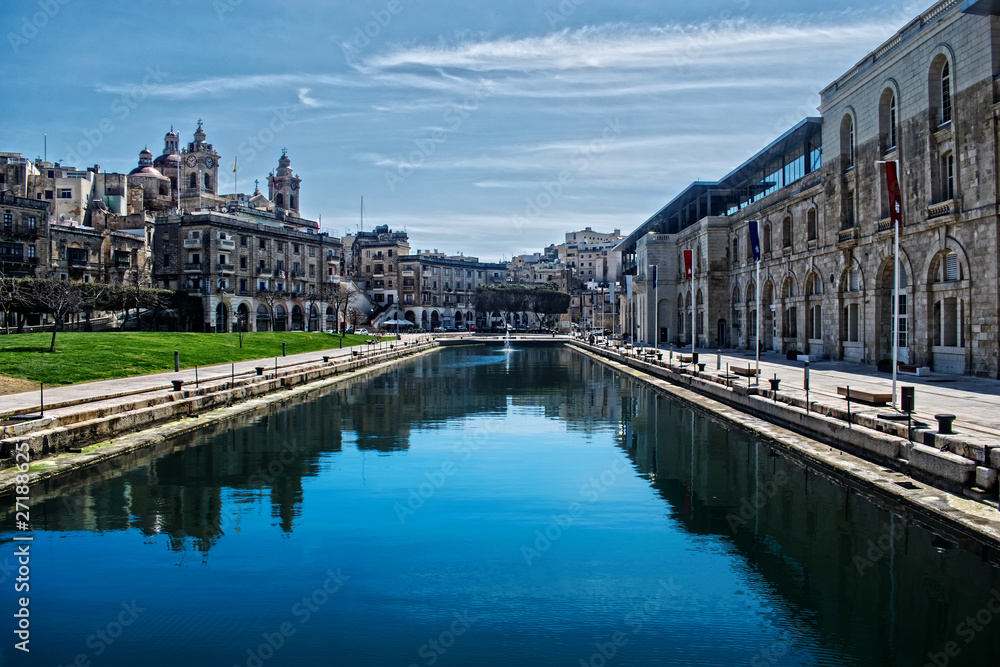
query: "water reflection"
774, 558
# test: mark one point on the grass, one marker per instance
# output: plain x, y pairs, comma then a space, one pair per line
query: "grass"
84, 357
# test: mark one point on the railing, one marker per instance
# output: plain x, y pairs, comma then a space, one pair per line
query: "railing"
192, 267
192, 243
226, 268
883, 225
227, 244
846, 235
941, 210
264, 271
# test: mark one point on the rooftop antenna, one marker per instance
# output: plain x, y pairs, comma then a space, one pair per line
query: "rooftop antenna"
46, 149
362, 213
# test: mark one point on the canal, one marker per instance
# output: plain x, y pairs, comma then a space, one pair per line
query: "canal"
482, 507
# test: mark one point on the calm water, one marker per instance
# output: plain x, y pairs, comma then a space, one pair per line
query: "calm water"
477, 507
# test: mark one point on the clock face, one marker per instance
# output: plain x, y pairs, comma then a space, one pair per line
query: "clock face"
278, 183
191, 160
209, 162
295, 185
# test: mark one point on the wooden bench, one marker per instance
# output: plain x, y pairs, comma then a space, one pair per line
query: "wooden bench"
744, 371
864, 396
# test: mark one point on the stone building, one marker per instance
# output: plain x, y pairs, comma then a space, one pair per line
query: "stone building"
439, 291
24, 247
262, 270
371, 260
819, 194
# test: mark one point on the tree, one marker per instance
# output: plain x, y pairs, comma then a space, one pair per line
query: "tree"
58, 298
11, 297
354, 316
338, 297
270, 298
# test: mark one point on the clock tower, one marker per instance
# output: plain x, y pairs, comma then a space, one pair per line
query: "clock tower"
200, 173
283, 186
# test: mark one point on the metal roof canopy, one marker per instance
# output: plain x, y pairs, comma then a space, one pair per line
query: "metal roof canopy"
804, 129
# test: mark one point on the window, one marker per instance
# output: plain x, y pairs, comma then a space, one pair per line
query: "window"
291, 201
948, 317
945, 94
851, 323
222, 259
888, 121
279, 265
854, 281
243, 262
811, 224
208, 182
31, 222
30, 251
243, 285
279, 246
193, 180
262, 244
65, 193
847, 142
8, 221
849, 221
48, 194
243, 241
766, 241
948, 177
279, 200
786, 232
816, 322
312, 251
295, 248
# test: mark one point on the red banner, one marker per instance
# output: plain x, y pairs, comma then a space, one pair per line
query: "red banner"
688, 262
895, 201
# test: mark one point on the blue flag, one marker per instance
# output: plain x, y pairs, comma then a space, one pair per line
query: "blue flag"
754, 240
654, 274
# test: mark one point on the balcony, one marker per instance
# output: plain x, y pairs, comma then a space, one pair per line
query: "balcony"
884, 225
193, 267
225, 268
847, 235
192, 242
409, 273
942, 209
227, 244
264, 271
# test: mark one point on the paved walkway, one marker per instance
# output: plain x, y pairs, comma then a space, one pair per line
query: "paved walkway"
112, 391
974, 401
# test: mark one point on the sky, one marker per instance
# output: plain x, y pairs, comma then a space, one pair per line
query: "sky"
487, 128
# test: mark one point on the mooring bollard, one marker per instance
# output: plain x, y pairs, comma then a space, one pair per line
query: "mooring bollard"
259, 369
944, 424
177, 384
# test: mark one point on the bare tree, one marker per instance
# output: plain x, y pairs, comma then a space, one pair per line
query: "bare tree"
58, 298
338, 297
270, 298
10, 299
354, 316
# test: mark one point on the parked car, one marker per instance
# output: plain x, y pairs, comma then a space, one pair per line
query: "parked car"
362, 332
473, 328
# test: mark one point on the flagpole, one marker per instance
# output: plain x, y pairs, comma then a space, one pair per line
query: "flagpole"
694, 306
894, 215
656, 306
757, 332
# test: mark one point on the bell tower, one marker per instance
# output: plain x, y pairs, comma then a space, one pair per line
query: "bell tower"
283, 186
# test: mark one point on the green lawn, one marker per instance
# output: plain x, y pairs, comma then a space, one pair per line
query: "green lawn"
82, 357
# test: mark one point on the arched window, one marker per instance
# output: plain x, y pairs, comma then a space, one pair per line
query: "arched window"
193, 180
279, 200
947, 176
889, 120
208, 182
945, 93
847, 142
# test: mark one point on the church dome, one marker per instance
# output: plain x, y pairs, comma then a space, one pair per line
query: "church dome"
168, 161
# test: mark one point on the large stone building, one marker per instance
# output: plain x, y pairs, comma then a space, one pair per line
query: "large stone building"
439, 291
926, 98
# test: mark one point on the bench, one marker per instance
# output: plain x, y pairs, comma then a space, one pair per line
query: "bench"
874, 398
744, 371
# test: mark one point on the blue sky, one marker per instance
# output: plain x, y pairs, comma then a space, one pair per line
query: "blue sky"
483, 127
